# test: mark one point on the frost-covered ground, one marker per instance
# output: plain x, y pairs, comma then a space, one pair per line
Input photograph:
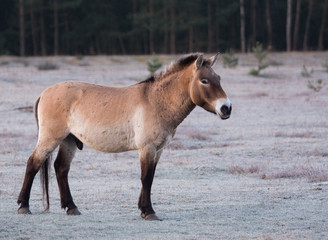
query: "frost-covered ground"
262, 174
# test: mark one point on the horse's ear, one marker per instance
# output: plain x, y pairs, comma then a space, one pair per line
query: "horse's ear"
213, 59
199, 61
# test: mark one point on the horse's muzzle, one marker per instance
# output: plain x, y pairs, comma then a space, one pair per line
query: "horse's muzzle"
225, 112
223, 108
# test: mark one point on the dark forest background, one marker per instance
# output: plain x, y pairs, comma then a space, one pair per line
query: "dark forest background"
87, 27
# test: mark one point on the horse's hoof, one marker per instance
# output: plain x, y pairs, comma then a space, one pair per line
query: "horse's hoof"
24, 210
73, 211
150, 217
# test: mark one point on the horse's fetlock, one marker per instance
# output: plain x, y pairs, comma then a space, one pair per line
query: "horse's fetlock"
23, 203
63, 206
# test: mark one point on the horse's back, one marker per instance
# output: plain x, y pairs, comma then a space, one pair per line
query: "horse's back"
89, 99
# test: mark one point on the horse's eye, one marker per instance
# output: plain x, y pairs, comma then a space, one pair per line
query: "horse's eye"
204, 81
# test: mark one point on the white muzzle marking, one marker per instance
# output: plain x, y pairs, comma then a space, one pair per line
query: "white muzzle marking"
219, 104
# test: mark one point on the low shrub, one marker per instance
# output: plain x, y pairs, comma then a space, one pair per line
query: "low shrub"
305, 72
260, 54
315, 85
153, 65
229, 59
47, 66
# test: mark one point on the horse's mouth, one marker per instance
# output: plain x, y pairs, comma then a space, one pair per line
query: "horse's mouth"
223, 117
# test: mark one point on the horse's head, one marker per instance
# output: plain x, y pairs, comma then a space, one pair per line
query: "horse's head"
206, 90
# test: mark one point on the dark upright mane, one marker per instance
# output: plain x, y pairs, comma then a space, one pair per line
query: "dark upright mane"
177, 66
148, 80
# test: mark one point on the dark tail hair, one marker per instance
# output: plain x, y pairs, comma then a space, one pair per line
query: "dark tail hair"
45, 167
35, 110
44, 177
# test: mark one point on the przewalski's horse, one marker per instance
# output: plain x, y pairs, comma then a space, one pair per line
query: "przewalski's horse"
141, 117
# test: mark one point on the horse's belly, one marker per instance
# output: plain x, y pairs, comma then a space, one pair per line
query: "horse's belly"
107, 139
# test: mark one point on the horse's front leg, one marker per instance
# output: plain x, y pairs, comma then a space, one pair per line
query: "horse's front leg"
148, 161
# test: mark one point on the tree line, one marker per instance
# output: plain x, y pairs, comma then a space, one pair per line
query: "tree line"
84, 27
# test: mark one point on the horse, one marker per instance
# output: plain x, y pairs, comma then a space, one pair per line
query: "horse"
142, 117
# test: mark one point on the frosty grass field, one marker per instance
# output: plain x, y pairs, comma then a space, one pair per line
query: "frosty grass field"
262, 174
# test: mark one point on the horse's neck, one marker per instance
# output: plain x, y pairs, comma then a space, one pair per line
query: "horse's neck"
172, 99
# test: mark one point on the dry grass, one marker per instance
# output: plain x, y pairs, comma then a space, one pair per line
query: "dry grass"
176, 145
25, 109
312, 174
142, 58
258, 95
7, 135
197, 135
301, 134
319, 153
243, 170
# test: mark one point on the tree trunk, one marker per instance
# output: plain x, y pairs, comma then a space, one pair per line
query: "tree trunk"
242, 27
145, 42
289, 25
151, 27
166, 32
43, 33
297, 23
21, 28
97, 44
209, 27
307, 26
55, 27
253, 22
268, 21
67, 42
322, 26
172, 32
120, 39
217, 39
191, 38
135, 43
33, 30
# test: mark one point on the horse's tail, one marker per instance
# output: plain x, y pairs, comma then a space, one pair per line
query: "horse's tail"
35, 110
45, 167
44, 177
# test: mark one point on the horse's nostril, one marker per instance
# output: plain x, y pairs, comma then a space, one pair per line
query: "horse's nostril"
225, 110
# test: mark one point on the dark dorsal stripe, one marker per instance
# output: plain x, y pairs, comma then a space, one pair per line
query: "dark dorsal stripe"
148, 80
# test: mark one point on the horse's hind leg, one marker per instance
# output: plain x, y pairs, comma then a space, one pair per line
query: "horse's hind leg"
62, 165
38, 157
